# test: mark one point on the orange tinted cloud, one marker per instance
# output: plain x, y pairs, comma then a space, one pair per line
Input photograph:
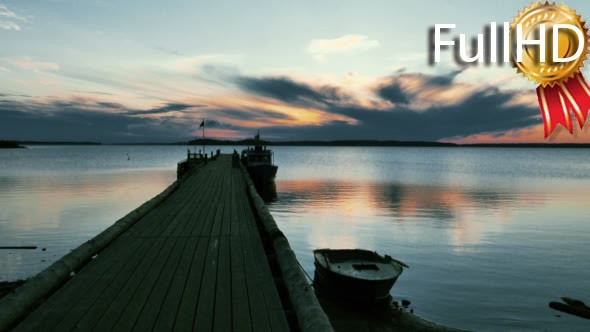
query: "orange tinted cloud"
286, 115
531, 135
220, 133
417, 106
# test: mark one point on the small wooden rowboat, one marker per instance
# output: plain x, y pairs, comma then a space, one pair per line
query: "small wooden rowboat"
355, 274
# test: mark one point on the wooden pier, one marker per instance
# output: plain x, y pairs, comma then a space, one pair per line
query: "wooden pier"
205, 256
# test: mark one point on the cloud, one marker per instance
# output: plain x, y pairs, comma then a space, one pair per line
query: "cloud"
220, 125
171, 107
424, 91
422, 107
169, 51
393, 93
14, 95
37, 66
287, 90
192, 64
252, 114
477, 115
402, 106
105, 79
92, 92
8, 14
75, 120
531, 134
7, 25
8, 18
321, 48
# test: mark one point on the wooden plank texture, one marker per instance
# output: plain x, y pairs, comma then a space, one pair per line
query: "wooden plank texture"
194, 263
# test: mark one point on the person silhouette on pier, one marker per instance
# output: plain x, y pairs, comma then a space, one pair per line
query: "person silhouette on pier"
235, 159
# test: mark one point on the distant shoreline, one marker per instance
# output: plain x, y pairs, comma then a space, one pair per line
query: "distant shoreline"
10, 145
373, 143
342, 143
56, 143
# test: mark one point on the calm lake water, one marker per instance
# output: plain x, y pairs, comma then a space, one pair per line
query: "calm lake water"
491, 235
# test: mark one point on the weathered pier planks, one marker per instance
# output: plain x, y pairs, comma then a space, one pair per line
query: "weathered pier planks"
195, 261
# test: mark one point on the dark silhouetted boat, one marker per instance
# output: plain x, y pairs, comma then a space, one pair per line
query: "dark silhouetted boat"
355, 274
259, 163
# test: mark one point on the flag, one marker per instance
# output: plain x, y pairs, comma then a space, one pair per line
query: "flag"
202, 124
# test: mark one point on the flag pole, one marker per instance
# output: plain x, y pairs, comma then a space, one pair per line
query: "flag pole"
204, 137
195, 141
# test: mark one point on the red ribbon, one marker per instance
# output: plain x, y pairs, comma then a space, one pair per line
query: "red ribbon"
557, 101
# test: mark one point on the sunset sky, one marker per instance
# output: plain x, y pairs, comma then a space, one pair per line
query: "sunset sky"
146, 71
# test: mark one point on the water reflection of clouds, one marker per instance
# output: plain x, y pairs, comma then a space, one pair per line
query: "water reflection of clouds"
35, 201
465, 214
59, 212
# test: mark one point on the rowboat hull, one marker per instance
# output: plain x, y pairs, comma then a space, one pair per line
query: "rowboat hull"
336, 279
339, 286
